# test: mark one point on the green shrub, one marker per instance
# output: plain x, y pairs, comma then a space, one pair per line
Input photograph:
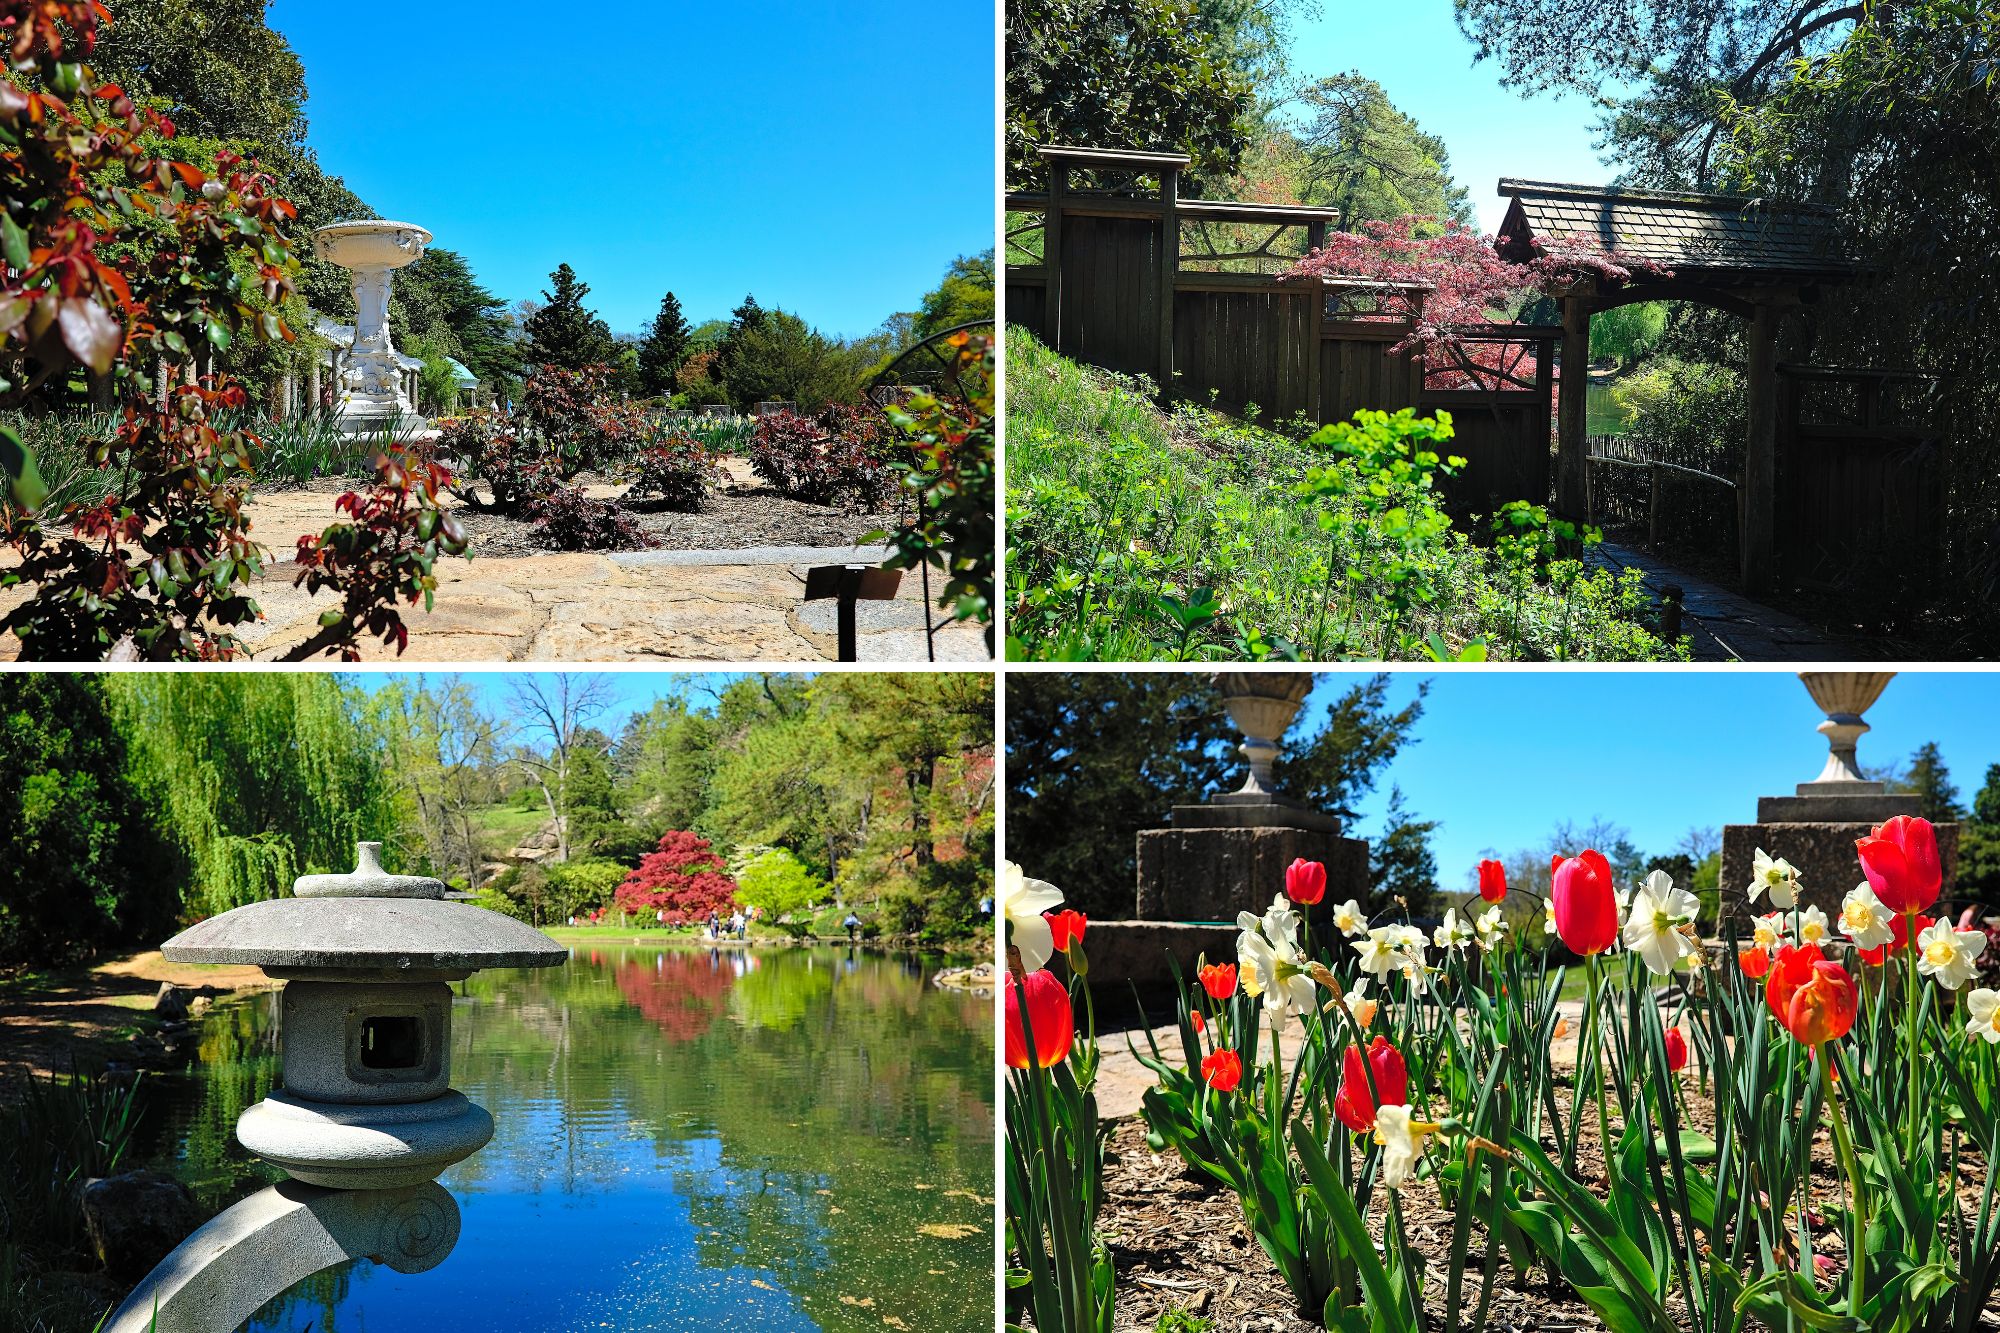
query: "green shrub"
1689, 412
1137, 536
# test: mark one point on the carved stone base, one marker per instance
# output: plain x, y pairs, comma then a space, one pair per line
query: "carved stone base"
1211, 874
1823, 853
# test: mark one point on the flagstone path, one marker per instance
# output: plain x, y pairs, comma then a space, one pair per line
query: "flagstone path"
1725, 626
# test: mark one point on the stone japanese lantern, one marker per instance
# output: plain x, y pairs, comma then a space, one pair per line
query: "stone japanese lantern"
365, 1118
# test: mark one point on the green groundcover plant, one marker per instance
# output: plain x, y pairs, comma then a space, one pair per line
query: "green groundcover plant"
1793, 1132
1137, 535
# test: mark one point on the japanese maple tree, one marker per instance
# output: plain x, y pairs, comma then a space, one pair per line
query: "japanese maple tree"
683, 878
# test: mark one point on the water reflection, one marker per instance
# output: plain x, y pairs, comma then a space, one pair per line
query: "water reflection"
687, 1138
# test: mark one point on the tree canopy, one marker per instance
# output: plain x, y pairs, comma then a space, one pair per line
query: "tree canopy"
1363, 157
564, 332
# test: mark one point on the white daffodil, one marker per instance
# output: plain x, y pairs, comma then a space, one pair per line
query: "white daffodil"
1022, 902
1359, 1004
1982, 1007
1271, 970
1409, 939
1775, 876
1948, 954
1864, 919
1348, 920
1402, 1139
1769, 932
1452, 932
1413, 970
1379, 955
1653, 927
1548, 916
1813, 927
1490, 927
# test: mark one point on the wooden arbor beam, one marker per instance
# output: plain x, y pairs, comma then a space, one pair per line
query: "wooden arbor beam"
1757, 496
1572, 445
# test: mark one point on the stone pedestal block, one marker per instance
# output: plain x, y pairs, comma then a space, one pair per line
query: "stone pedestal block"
1212, 873
1823, 852
1128, 954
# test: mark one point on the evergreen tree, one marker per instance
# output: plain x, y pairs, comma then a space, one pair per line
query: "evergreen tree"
1986, 805
663, 348
1400, 861
1930, 781
565, 333
1979, 843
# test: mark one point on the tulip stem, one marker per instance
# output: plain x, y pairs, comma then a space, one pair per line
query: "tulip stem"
1857, 1217
1596, 1032
1910, 1026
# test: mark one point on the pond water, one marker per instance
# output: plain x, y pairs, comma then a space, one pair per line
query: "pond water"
685, 1138
1602, 414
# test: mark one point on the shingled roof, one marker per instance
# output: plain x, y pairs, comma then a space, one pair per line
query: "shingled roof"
1710, 234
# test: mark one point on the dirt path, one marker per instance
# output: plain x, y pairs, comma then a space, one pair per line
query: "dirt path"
54, 1022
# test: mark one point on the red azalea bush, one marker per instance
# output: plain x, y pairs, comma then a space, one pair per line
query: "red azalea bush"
676, 471
517, 471
836, 458
683, 878
579, 418
568, 520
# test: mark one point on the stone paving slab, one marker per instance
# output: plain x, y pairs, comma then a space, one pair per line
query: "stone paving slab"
625, 606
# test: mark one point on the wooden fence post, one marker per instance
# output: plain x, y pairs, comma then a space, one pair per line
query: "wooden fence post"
1052, 255
1170, 267
1653, 511
1759, 511
1571, 444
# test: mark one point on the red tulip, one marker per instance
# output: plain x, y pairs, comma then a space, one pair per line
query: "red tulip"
1048, 1013
1352, 1104
1492, 881
1219, 980
1754, 962
1223, 1070
1200, 1023
1305, 882
1814, 998
1677, 1051
1900, 930
1901, 861
1585, 905
1066, 927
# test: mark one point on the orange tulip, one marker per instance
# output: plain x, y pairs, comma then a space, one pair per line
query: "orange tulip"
1200, 1023
1223, 1070
1754, 962
1066, 927
1219, 980
1814, 998
1048, 1013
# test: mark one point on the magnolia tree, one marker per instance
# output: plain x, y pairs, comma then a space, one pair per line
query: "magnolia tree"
681, 881
136, 270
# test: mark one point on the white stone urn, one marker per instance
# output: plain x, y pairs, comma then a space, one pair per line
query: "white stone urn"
1262, 704
1844, 696
369, 396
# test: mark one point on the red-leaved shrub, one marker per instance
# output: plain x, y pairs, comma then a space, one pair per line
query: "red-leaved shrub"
684, 879
568, 520
676, 471
834, 459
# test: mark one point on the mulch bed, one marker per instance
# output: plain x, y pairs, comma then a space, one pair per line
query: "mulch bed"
1178, 1241
739, 515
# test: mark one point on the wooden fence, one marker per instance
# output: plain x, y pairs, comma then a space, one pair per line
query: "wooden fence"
1115, 279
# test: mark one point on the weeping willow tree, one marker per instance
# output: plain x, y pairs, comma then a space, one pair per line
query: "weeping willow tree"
260, 777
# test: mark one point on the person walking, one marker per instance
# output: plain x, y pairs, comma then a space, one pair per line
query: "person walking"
853, 924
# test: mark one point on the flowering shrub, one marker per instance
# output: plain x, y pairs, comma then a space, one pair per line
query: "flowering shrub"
833, 459
517, 471
681, 881
677, 471
581, 423
568, 520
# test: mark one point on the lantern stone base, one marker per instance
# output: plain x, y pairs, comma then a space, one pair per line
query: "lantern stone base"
1211, 870
1823, 853
364, 1146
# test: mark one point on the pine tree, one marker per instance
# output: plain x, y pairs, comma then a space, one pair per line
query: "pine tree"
1930, 781
663, 348
730, 366
565, 333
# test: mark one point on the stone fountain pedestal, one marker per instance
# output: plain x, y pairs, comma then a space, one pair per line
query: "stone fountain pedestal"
370, 399
1227, 855
1816, 827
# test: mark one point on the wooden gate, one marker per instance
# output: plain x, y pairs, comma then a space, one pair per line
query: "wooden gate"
1860, 484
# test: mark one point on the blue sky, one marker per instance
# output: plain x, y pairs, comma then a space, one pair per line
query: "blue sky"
631, 691
1413, 48
1502, 756
831, 157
